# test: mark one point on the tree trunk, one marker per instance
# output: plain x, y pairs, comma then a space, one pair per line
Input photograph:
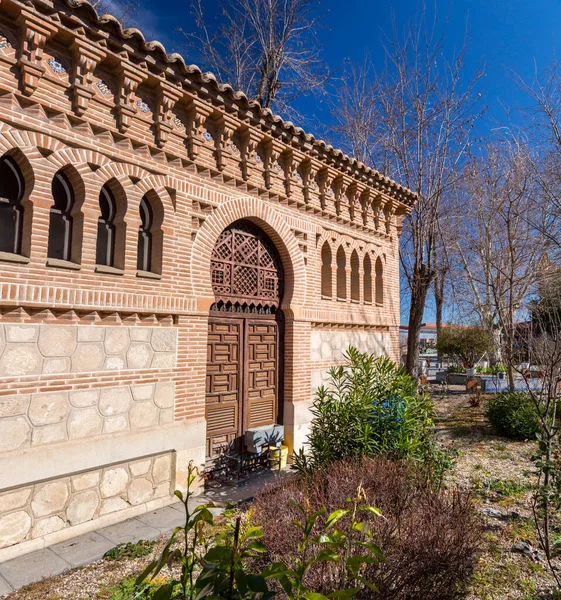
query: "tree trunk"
416, 312
439, 302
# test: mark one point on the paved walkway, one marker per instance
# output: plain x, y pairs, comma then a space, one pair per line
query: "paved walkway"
87, 548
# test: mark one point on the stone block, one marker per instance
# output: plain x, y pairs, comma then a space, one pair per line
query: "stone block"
165, 394
112, 505
165, 519
140, 467
20, 359
57, 340
49, 498
114, 482
166, 416
10, 406
46, 409
47, 525
52, 366
114, 401
14, 528
84, 422
163, 360
14, 433
164, 339
116, 423
161, 471
140, 490
48, 434
140, 334
143, 414
85, 481
131, 530
114, 363
22, 333
139, 356
88, 357
162, 490
84, 398
16, 499
82, 507
91, 333
143, 392
117, 340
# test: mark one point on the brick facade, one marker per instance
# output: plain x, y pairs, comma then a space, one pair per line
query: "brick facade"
103, 366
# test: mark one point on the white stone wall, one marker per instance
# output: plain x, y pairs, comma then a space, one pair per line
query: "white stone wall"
55, 349
328, 346
28, 420
42, 509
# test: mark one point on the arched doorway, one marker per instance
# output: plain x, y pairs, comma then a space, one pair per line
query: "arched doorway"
244, 337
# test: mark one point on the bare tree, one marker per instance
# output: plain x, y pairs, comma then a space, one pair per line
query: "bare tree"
414, 121
123, 10
497, 243
266, 48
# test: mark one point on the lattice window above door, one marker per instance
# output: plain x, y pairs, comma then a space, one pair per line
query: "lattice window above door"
246, 269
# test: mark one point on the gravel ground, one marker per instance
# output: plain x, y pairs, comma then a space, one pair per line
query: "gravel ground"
496, 470
499, 473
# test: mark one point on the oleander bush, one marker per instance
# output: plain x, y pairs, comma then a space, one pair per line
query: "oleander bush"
514, 415
371, 406
429, 539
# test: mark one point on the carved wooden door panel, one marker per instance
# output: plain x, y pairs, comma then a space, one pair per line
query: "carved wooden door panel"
223, 384
261, 363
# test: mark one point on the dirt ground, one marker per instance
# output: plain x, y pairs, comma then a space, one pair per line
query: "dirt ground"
497, 471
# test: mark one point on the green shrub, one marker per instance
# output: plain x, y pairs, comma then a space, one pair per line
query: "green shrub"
464, 344
513, 414
455, 369
370, 406
130, 550
495, 370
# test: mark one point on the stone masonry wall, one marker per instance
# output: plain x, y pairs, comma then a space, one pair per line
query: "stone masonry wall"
34, 511
54, 349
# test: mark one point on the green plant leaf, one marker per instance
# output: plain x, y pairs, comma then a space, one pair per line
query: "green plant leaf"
335, 516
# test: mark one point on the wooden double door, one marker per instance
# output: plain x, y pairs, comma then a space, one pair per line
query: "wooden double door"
242, 378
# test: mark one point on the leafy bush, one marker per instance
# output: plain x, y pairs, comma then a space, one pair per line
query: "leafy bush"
370, 406
495, 370
130, 550
464, 344
514, 415
429, 539
217, 568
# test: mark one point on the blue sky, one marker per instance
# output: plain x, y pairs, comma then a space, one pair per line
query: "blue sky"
503, 36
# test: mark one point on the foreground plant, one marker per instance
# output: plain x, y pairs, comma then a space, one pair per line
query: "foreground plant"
217, 568
370, 407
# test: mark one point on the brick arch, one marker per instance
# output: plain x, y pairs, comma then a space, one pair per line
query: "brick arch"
155, 185
272, 223
79, 158
114, 170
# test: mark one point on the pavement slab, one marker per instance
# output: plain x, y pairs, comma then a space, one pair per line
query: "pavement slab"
83, 549
5, 588
32, 567
164, 519
131, 530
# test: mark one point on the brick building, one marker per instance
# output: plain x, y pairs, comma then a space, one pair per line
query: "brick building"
176, 265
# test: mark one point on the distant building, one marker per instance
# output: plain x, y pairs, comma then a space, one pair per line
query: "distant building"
428, 337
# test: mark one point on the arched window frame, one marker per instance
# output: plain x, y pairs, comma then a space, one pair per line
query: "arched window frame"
12, 208
326, 271
106, 228
149, 255
61, 219
341, 274
144, 250
355, 277
379, 284
367, 279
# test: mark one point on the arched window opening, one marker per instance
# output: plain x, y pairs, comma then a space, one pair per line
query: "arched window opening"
355, 281
11, 211
105, 251
341, 274
326, 272
379, 282
144, 256
367, 280
61, 221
